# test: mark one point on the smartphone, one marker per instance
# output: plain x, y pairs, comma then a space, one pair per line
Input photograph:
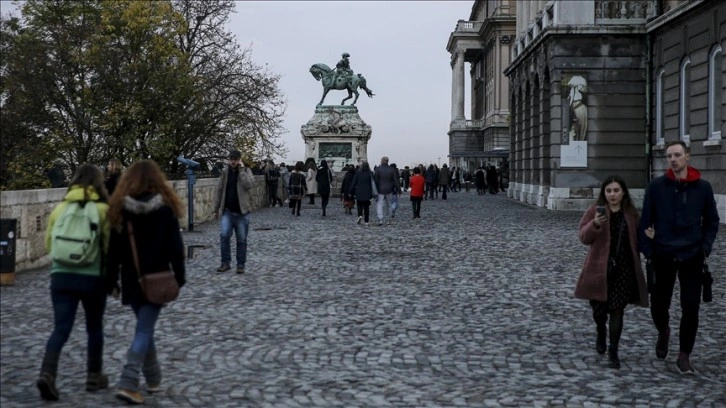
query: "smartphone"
600, 209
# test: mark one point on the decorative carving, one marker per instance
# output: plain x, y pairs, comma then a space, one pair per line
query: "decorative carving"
336, 121
336, 150
505, 39
636, 10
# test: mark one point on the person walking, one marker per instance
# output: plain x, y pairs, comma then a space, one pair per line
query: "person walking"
324, 178
431, 181
386, 179
285, 177
406, 175
480, 180
345, 188
677, 231
146, 210
492, 180
312, 184
418, 184
363, 188
272, 180
232, 203
297, 187
443, 180
114, 169
73, 283
611, 276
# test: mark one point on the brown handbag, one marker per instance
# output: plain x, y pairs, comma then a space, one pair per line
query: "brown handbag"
158, 287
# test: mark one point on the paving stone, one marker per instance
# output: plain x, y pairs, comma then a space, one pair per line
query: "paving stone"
470, 305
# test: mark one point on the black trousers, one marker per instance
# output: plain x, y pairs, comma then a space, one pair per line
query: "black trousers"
364, 209
690, 273
416, 205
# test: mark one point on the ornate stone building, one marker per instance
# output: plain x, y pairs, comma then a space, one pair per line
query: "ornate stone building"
597, 87
484, 42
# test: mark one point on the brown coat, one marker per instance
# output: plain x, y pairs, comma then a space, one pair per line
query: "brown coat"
592, 283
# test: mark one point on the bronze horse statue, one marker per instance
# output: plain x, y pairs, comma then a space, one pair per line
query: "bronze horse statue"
330, 80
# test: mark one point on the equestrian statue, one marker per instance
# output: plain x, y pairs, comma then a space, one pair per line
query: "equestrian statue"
342, 78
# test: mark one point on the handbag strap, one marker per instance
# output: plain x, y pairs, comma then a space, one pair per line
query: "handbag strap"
134, 253
620, 236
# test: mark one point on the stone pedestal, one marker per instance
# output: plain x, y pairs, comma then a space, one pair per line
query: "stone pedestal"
337, 134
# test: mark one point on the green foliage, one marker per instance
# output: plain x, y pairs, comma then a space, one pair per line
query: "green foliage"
85, 81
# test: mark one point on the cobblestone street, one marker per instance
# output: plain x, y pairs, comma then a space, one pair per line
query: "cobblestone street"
470, 306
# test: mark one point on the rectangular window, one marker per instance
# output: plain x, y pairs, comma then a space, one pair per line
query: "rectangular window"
685, 103
659, 105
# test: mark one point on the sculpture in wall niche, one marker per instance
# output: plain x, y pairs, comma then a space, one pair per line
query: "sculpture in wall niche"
575, 122
342, 78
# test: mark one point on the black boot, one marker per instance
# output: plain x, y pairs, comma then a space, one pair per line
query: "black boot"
601, 329
46, 379
616, 328
614, 358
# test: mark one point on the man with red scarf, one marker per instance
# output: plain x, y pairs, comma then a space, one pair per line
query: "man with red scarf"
681, 210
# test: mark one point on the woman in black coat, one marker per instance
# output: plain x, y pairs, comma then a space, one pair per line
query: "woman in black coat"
143, 206
324, 177
362, 189
345, 188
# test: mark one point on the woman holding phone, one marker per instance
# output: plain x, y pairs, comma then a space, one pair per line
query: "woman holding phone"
611, 276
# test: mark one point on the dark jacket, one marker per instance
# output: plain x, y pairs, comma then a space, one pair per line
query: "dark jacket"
158, 243
324, 177
361, 185
111, 182
386, 179
347, 185
683, 214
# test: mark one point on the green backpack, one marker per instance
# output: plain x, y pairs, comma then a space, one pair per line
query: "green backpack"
76, 235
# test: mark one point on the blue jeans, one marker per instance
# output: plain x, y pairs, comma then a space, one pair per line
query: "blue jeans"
65, 305
240, 224
146, 316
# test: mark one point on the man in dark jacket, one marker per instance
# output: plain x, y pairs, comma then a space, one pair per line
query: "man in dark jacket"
232, 203
676, 234
387, 183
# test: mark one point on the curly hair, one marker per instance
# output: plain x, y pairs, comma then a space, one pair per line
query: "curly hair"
142, 177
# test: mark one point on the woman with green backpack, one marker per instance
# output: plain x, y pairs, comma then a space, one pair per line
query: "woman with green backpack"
77, 241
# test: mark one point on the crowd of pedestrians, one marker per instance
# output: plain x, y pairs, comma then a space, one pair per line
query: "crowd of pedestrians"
134, 231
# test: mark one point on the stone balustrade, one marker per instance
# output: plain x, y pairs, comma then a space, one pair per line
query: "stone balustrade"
32, 208
468, 26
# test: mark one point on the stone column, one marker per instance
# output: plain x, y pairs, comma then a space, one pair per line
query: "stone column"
458, 87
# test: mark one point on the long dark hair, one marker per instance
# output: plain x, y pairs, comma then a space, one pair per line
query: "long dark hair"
89, 175
627, 203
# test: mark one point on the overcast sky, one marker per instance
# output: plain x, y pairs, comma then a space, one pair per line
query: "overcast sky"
399, 46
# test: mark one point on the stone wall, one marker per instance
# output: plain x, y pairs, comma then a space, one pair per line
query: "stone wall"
32, 208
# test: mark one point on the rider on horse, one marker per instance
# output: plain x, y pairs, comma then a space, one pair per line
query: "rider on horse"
343, 68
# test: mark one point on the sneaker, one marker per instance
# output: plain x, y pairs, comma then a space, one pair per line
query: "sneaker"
380, 223
684, 364
661, 346
240, 270
153, 387
96, 381
224, 268
132, 397
360, 219
46, 386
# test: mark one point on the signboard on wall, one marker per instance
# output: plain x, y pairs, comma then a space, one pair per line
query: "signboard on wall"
573, 154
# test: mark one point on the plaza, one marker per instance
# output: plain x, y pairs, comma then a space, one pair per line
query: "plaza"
470, 306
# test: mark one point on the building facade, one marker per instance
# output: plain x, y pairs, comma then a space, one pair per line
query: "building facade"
597, 87
484, 41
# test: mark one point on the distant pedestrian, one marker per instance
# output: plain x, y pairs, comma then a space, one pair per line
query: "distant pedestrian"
492, 180
144, 210
431, 181
272, 181
232, 204
444, 176
312, 185
113, 169
406, 175
363, 188
324, 178
611, 276
467, 180
677, 231
285, 177
480, 181
74, 283
297, 187
345, 189
417, 191
386, 179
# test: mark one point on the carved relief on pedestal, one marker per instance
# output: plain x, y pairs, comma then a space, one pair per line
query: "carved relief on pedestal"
336, 120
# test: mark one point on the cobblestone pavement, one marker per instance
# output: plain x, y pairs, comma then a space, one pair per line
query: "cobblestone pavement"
469, 306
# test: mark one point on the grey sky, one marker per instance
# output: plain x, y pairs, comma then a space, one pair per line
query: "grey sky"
399, 46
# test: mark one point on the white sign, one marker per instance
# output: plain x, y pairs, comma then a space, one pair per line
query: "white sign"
574, 154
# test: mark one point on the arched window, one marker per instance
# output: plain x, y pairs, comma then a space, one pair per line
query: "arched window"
685, 105
714, 93
659, 105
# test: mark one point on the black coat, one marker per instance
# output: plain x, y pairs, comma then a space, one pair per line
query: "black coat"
361, 185
347, 185
158, 242
324, 177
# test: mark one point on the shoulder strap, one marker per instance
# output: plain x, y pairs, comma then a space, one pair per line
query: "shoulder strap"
620, 234
132, 241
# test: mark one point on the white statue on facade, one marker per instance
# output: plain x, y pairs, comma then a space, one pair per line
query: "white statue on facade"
578, 108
